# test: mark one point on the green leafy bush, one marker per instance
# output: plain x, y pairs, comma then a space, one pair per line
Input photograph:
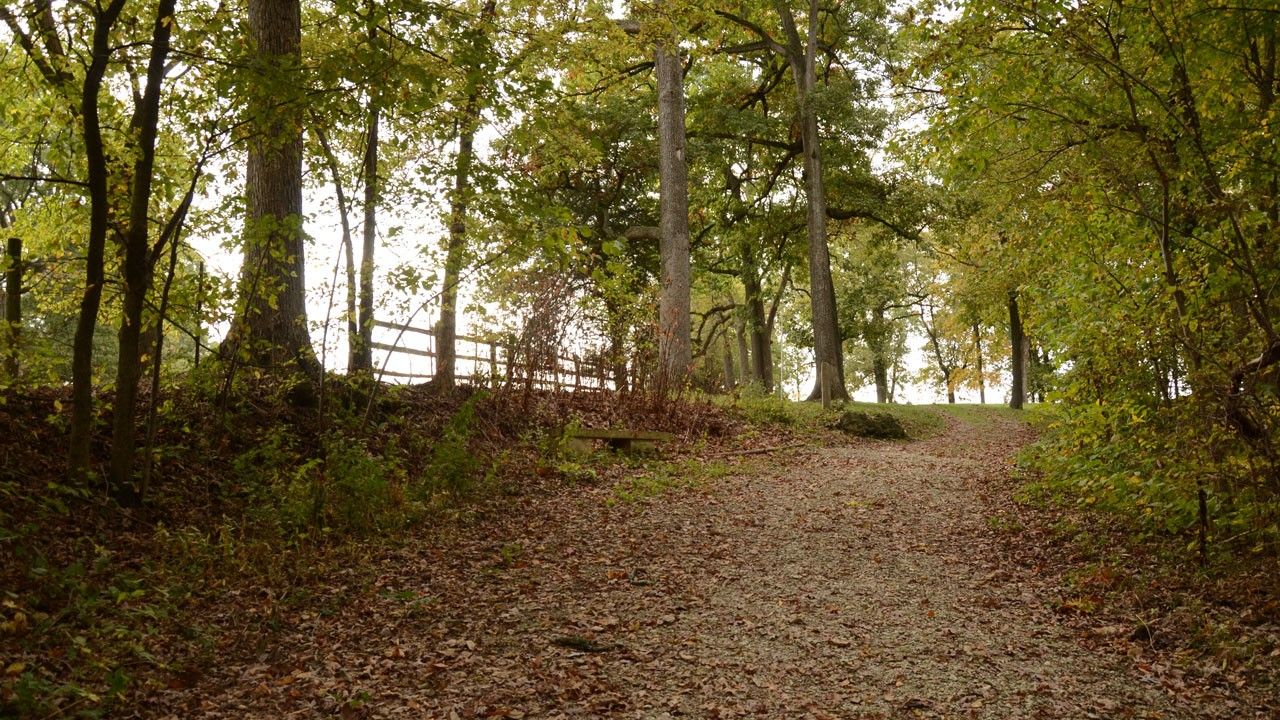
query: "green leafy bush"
878, 425
1148, 462
454, 468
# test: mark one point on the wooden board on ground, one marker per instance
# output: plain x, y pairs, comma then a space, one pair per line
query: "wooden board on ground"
580, 439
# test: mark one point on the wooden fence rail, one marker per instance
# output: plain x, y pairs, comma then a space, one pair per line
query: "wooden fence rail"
491, 362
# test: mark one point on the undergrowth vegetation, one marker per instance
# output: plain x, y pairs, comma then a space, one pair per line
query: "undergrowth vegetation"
254, 494
919, 421
1205, 490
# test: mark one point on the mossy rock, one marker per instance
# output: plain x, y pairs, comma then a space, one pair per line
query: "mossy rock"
878, 425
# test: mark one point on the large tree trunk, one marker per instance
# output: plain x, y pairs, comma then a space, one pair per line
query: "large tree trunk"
1017, 355
761, 344
757, 323
271, 326
674, 348
99, 225
879, 362
881, 372
822, 297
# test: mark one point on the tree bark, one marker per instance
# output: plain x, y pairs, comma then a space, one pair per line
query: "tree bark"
879, 361
138, 269
730, 372
674, 348
99, 225
757, 323
881, 372
982, 381
822, 298
1017, 358
364, 321
271, 326
617, 329
447, 327
744, 353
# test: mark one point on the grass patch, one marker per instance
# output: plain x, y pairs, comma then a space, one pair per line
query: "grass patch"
988, 415
920, 421
808, 418
661, 478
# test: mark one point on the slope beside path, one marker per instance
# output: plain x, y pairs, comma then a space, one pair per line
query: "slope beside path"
860, 581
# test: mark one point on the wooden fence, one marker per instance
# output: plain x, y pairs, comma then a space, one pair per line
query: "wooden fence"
409, 353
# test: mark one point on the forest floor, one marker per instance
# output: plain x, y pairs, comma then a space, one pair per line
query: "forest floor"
858, 579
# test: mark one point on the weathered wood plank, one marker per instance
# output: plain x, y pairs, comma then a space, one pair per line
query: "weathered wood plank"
401, 349
404, 328
620, 434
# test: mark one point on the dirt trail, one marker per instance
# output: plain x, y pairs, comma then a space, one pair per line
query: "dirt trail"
848, 582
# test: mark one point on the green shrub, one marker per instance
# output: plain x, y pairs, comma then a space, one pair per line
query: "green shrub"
1148, 462
454, 469
878, 425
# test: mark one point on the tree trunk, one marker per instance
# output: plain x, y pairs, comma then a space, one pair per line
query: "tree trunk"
158, 350
761, 345
757, 324
982, 380
364, 348
744, 354
617, 325
881, 372
99, 225
946, 369
730, 372
1042, 365
822, 298
1017, 358
1028, 369
137, 269
271, 326
674, 349
879, 362
344, 218
447, 328
893, 382
13, 308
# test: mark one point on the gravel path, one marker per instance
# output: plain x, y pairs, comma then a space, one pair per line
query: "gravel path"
851, 582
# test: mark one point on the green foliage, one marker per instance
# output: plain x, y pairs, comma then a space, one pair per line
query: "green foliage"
1121, 459
878, 425
1112, 168
454, 470
767, 408
660, 478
